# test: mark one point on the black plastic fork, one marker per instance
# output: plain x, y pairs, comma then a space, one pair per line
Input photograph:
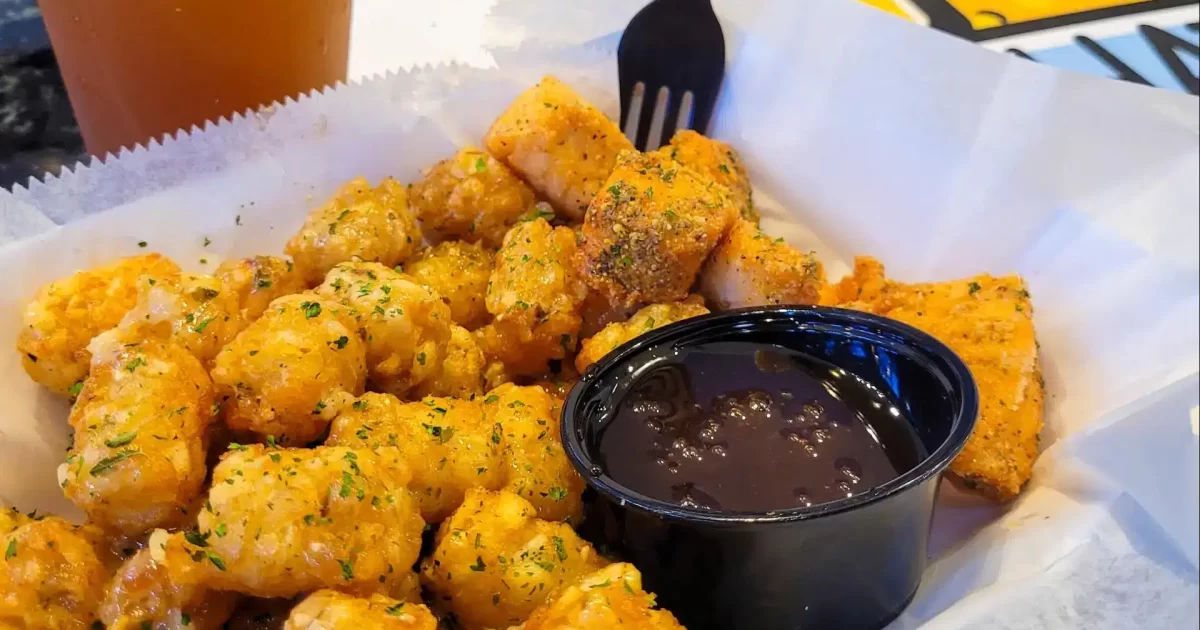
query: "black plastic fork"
676, 47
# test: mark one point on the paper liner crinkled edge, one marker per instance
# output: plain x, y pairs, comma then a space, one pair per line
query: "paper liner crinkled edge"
219, 146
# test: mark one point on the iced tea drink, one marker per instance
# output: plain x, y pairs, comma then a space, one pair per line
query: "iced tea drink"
136, 69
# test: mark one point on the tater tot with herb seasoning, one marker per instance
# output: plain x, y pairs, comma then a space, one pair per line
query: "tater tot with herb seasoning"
141, 425
495, 561
196, 311
258, 281
609, 598
559, 143
62, 318
51, 576
331, 610
461, 372
471, 196
654, 316
717, 161
285, 373
358, 223
649, 231
284, 521
536, 466
407, 325
161, 586
446, 443
458, 272
535, 296
750, 268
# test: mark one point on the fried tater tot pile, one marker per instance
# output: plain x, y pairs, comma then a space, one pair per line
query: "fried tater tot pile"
62, 318
471, 196
283, 375
331, 610
494, 561
988, 322
563, 146
280, 522
141, 432
270, 446
51, 575
358, 223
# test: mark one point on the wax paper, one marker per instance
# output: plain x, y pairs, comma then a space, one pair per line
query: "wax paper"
938, 157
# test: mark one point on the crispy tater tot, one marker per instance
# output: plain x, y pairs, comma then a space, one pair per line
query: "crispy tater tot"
196, 311
609, 598
445, 442
988, 322
563, 146
648, 232
494, 561
407, 325
471, 196
282, 372
654, 316
51, 575
331, 610
462, 371
66, 313
459, 273
258, 281
525, 422
749, 268
535, 295
358, 223
282, 521
717, 161
141, 430
162, 587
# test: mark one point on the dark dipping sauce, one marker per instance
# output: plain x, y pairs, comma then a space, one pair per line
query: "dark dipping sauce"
745, 427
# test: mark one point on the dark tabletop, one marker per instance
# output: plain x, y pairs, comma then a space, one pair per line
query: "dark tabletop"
38, 133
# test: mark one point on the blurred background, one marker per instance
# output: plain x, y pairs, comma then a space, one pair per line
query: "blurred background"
1150, 42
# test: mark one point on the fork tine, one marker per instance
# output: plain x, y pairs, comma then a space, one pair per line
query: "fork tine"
633, 110
674, 110
645, 116
658, 119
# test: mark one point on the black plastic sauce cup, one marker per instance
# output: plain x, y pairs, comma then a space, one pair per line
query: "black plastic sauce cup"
849, 564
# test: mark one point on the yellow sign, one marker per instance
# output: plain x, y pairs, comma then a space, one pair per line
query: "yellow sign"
985, 14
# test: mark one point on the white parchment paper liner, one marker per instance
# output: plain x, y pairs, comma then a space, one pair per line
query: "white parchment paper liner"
864, 135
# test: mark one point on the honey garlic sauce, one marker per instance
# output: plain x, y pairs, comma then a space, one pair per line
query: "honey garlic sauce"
745, 427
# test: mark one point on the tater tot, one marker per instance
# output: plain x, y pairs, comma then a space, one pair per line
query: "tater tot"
66, 313
654, 316
648, 232
714, 160
141, 431
358, 223
446, 443
282, 521
282, 372
537, 468
51, 576
471, 196
563, 146
459, 273
161, 586
535, 295
609, 598
407, 325
494, 561
258, 281
749, 268
331, 610
194, 310
461, 372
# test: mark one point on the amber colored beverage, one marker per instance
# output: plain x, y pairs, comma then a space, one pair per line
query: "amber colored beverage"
136, 69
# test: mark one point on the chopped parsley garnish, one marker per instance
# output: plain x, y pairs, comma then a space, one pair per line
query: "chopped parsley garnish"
395, 610
199, 328
135, 364
558, 494
479, 564
11, 551
341, 342
120, 439
76, 388
723, 169
196, 538
560, 548
421, 358
107, 464
974, 288
142, 244
347, 569
311, 309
